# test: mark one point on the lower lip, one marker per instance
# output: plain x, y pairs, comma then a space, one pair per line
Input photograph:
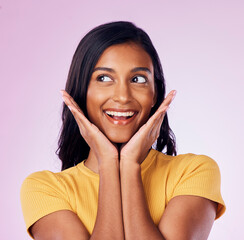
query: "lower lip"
120, 121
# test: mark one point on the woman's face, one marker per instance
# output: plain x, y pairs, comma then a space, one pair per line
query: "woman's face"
121, 91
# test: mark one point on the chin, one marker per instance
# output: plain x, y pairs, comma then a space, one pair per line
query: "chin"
119, 139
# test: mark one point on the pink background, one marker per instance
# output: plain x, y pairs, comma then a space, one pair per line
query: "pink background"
201, 47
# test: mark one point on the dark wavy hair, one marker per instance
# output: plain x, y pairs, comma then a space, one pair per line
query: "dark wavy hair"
72, 148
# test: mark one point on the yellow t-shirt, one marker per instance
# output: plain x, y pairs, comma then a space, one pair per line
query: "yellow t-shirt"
163, 176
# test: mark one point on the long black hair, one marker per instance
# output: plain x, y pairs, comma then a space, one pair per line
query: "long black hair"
72, 148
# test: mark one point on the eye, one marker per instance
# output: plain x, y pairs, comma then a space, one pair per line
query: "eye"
139, 79
104, 78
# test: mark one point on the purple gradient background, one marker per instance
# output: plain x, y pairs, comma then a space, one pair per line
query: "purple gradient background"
201, 47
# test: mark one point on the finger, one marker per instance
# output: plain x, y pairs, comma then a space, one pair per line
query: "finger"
159, 114
167, 101
77, 113
152, 127
81, 120
69, 101
83, 123
154, 119
157, 126
156, 122
161, 119
163, 107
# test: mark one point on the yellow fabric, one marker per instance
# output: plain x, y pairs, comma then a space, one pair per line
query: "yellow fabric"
163, 176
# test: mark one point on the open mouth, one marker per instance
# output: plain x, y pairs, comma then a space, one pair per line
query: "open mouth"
120, 117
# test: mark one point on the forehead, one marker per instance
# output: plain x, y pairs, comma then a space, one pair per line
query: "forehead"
129, 55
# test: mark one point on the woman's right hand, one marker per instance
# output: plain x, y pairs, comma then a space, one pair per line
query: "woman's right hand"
103, 149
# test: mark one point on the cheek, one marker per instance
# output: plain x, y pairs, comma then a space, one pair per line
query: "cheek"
91, 104
94, 102
147, 100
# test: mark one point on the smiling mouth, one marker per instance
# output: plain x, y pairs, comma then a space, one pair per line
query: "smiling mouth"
118, 117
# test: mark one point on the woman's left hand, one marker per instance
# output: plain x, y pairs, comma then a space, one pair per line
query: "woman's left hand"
138, 146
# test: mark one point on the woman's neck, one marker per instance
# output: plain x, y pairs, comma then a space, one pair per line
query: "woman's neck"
91, 162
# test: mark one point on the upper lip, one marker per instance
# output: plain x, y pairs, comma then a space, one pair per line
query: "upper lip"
120, 110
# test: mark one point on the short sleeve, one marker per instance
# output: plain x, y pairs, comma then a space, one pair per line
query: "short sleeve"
42, 193
199, 175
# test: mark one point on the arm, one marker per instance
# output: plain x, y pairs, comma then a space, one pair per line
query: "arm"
64, 225
135, 210
188, 217
138, 223
59, 225
109, 223
185, 217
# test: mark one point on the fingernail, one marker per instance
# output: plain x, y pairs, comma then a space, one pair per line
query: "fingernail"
62, 93
69, 108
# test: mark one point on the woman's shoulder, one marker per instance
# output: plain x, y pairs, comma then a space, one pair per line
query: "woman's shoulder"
183, 163
191, 174
184, 159
49, 179
44, 192
43, 175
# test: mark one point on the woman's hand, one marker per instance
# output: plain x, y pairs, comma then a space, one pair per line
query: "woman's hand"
109, 207
138, 146
97, 141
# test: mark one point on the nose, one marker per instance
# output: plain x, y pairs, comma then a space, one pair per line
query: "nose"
122, 93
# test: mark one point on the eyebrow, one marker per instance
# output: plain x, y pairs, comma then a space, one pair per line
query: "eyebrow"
136, 69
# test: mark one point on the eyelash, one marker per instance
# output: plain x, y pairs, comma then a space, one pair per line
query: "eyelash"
103, 75
142, 77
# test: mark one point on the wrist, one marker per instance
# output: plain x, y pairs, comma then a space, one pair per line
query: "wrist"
108, 165
126, 165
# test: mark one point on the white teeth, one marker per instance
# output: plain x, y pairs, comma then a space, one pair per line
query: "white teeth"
120, 114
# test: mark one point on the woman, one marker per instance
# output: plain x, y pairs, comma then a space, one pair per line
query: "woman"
113, 184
